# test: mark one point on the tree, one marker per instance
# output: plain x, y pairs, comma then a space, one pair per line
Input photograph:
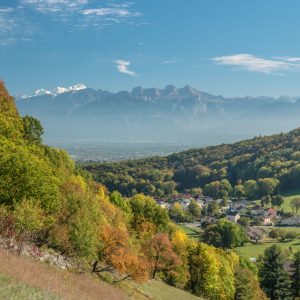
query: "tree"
117, 199
33, 129
296, 274
239, 191
295, 204
274, 279
266, 200
211, 272
161, 255
244, 221
225, 234
250, 187
194, 209
117, 253
267, 186
212, 207
177, 213
26, 175
247, 286
277, 200
145, 208
218, 189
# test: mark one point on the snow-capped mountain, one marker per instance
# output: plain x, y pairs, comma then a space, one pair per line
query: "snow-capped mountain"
170, 114
60, 90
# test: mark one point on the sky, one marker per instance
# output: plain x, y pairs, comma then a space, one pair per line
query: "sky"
229, 48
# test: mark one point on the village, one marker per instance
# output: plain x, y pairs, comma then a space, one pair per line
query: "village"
256, 219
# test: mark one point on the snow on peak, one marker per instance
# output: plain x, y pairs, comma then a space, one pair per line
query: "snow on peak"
42, 92
60, 90
76, 87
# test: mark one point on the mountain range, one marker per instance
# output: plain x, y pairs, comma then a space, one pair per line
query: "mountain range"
170, 115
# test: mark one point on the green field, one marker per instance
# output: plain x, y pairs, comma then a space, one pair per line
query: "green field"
254, 250
288, 196
190, 232
13, 290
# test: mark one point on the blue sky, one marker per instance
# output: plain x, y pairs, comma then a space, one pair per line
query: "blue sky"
232, 47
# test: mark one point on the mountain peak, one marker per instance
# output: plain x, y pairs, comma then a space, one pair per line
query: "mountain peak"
188, 91
170, 90
60, 90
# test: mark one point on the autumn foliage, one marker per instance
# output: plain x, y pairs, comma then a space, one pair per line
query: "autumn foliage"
47, 200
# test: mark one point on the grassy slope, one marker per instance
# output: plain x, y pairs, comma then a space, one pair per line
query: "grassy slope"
190, 232
287, 199
11, 289
24, 278
156, 290
254, 250
64, 284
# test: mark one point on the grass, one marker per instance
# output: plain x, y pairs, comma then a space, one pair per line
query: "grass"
11, 289
190, 232
288, 196
156, 290
254, 250
32, 277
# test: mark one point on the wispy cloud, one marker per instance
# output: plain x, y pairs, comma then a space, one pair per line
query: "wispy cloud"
170, 61
13, 26
20, 20
259, 64
55, 6
109, 11
122, 66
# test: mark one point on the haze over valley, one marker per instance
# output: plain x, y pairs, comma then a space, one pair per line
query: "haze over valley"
170, 119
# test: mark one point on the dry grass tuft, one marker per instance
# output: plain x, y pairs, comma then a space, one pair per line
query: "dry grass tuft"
62, 283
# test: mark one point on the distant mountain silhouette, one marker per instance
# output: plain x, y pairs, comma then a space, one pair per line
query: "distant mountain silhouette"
180, 115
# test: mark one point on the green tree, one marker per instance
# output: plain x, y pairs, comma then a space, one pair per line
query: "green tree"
177, 213
211, 272
194, 209
267, 186
117, 199
247, 286
144, 208
277, 200
266, 200
213, 207
296, 274
274, 279
33, 129
250, 187
225, 234
295, 204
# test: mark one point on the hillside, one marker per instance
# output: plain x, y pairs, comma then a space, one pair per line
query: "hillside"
170, 115
274, 158
50, 205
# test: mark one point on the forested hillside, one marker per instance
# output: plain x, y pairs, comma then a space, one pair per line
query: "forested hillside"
46, 201
252, 168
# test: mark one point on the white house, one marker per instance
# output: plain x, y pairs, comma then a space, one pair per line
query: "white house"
233, 217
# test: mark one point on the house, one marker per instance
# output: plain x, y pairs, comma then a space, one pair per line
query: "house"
257, 210
233, 216
294, 220
240, 203
271, 213
266, 220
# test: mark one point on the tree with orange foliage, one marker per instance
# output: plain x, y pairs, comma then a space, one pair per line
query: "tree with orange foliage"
161, 255
118, 254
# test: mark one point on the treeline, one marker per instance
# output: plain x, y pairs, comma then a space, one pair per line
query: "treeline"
47, 201
253, 168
